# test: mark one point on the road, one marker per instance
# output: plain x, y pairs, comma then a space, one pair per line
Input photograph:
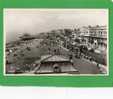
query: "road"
85, 66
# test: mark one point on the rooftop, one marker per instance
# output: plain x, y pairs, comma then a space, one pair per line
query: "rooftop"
54, 58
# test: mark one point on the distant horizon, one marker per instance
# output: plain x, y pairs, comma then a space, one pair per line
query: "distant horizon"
48, 31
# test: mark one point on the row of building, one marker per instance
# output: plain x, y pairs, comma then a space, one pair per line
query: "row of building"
92, 36
96, 35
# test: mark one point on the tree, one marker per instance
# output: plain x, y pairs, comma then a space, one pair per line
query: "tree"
68, 32
77, 40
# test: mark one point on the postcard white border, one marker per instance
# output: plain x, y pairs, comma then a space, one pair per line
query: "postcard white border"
52, 75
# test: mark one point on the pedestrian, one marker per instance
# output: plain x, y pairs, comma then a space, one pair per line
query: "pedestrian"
98, 65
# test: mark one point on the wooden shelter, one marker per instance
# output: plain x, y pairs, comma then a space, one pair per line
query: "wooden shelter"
50, 64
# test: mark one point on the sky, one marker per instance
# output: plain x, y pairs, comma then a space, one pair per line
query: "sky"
33, 21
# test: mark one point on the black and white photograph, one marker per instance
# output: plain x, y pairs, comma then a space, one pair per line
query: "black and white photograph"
56, 42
